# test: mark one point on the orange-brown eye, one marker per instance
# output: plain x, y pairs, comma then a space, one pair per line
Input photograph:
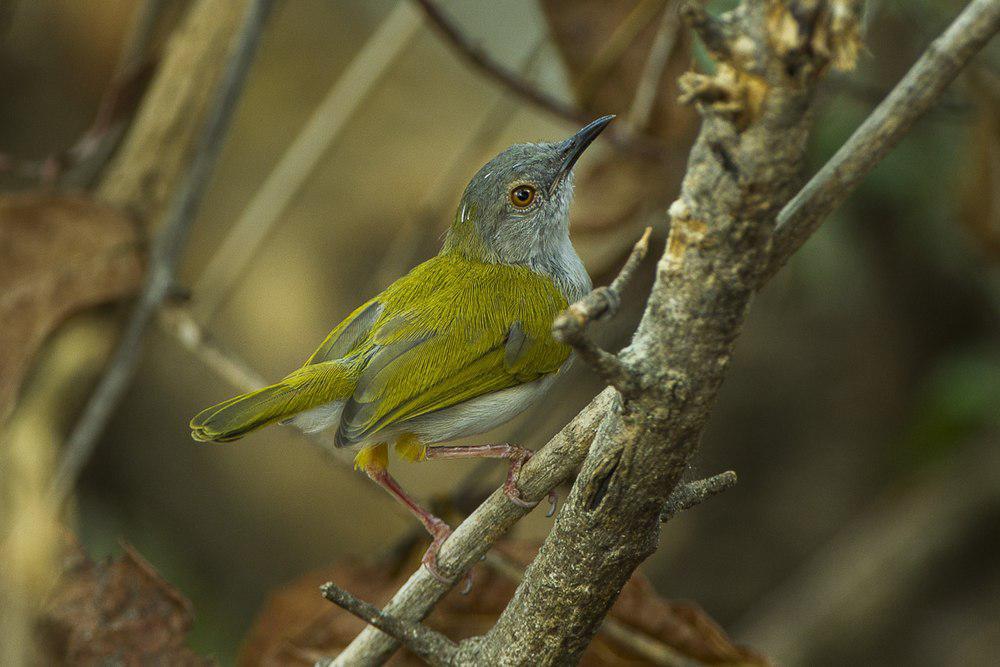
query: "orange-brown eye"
522, 196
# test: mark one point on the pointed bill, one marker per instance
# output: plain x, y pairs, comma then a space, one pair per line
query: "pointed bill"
574, 146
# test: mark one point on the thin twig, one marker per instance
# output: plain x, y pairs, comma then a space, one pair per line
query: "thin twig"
694, 493
180, 324
485, 64
644, 98
571, 325
165, 253
883, 129
613, 48
300, 159
433, 647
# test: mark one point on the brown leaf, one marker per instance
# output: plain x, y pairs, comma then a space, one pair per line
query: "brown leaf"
58, 255
297, 626
118, 612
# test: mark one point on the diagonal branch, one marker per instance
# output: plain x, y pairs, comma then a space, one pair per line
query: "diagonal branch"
165, 253
431, 646
571, 325
912, 97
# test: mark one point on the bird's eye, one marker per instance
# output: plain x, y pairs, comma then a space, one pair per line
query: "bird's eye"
521, 196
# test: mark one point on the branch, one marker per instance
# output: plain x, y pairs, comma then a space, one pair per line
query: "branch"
299, 160
485, 64
688, 495
570, 326
916, 92
552, 464
741, 170
431, 646
165, 253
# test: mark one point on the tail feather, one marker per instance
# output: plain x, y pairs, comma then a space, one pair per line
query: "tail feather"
303, 390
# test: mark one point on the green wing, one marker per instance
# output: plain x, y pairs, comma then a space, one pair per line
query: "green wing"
450, 331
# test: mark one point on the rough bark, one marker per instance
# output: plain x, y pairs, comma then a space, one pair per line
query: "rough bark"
742, 170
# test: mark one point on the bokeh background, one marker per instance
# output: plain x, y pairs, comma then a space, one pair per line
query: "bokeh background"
861, 412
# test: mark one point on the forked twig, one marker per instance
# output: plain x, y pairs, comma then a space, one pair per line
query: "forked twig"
570, 326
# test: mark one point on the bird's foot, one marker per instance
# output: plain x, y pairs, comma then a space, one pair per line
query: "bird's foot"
518, 457
440, 531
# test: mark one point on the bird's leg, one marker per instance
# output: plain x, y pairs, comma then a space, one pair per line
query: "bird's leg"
517, 456
438, 529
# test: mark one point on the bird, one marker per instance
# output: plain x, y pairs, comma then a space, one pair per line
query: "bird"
456, 347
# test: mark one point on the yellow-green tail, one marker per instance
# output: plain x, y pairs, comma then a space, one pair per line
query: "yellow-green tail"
306, 388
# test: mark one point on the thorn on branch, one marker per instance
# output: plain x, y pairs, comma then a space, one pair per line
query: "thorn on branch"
431, 646
602, 303
690, 494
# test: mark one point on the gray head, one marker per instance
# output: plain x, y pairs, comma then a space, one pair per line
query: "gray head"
515, 210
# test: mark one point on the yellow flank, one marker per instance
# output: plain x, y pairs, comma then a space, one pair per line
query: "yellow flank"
409, 447
375, 457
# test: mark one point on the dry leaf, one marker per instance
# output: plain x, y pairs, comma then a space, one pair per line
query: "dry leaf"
119, 612
297, 626
58, 255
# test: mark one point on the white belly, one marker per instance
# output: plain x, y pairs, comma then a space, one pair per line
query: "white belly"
474, 416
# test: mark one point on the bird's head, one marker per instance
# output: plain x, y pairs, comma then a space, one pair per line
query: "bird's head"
517, 205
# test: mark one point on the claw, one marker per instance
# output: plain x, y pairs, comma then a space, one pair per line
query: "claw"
553, 503
468, 583
441, 532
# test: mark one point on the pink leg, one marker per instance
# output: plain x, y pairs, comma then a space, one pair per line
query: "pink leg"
517, 456
438, 529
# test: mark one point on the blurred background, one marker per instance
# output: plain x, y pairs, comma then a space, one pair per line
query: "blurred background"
861, 412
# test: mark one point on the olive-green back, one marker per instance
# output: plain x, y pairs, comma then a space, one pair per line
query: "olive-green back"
451, 330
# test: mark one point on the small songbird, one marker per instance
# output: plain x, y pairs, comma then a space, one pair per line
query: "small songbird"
456, 347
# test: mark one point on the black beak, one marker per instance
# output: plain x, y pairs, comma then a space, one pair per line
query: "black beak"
574, 146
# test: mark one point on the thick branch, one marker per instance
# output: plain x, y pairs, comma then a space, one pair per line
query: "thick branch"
884, 128
433, 647
694, 493
741, 170
165, 253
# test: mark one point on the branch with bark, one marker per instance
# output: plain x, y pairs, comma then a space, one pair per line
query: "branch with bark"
724, 242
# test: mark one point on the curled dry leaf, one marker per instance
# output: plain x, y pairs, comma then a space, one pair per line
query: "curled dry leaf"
117, 612
58, 255
297, 626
